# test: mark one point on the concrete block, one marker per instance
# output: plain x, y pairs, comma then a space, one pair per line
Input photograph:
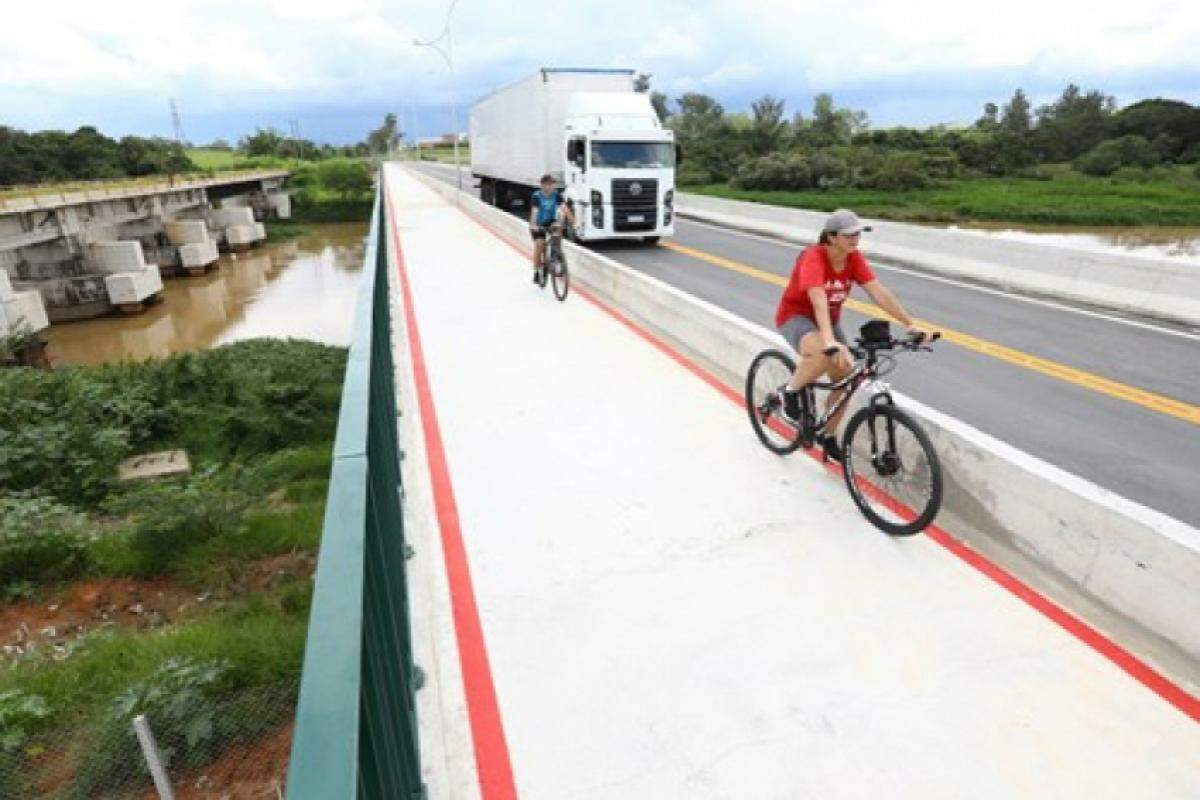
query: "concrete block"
198, 255
260, 232
23, 311
133, 287
281, 203
229, 217
154, 465
108, 258
186, 231
241, 235
6, 289
1141, 564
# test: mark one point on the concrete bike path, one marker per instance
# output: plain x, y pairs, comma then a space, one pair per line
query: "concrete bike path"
647, 604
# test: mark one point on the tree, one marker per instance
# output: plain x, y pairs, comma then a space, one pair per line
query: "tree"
769, 129
831, 125
264, 142
1017, 118
1173, 126
348, 177
641, 82
706, 137
990, 121
1073, 124
384, 138
660, 103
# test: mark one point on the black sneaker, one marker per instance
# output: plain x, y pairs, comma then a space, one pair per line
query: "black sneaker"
791, 406
832, 450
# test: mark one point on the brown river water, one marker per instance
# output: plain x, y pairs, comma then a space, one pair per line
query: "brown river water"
1173, 244
303, 288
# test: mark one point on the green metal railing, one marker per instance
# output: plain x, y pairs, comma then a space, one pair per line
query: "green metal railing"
356, 729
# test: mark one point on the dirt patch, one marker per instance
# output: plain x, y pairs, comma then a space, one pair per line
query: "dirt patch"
257, 772
54, 624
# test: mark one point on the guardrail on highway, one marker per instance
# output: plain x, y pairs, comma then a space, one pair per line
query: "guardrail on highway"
356, 727
31, 198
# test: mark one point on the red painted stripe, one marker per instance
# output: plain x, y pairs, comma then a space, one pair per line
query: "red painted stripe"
1133, 666
483, 710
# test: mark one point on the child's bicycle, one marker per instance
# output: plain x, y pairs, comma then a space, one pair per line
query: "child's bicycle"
554, 263
890, 466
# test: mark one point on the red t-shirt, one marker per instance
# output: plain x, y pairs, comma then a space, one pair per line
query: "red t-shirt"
814, 267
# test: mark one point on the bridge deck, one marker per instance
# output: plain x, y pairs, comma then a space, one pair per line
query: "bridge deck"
621, 594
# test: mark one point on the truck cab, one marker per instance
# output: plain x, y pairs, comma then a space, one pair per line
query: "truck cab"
619, 167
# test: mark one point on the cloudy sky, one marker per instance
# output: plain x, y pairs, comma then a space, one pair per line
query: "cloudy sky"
336, 66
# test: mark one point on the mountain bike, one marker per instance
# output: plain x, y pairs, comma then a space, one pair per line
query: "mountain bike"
554, 263
890, 466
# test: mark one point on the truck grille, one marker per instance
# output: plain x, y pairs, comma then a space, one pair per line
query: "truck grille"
635, 204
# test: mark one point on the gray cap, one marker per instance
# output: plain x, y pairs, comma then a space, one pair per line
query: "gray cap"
844, 221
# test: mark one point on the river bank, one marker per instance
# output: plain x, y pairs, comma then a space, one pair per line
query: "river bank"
183, 599
1063, 198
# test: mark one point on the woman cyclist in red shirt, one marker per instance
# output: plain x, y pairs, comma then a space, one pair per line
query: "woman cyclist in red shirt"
811, 308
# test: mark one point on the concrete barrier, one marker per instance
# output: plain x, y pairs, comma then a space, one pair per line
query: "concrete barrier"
1149, 287
200, 254
1115, 562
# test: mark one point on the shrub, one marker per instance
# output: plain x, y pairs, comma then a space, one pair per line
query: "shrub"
775, 171
40, 540
689, 174
179, 702
174, 517
1107, 157
18, 711
348, 177
63, 431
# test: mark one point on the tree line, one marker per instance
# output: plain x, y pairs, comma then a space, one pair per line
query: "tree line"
834, 147
87, 154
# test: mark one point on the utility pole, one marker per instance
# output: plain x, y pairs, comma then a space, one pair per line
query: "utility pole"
176, 122
447, 54
298, 143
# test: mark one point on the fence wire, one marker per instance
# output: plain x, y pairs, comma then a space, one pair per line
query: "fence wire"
233, 747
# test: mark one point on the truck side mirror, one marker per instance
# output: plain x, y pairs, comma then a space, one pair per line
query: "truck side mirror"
572, 150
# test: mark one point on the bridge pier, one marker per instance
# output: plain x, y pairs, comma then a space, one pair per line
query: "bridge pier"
91, 253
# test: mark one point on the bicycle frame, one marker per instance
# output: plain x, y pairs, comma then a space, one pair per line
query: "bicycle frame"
862, 372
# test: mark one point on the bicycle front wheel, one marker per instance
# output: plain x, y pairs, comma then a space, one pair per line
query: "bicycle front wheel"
770, 372
892, 470
559, 277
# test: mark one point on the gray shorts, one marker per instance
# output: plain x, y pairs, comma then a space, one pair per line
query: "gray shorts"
794, 328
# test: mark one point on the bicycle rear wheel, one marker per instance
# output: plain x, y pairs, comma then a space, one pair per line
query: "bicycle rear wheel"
891, 470
559, 276
769, 372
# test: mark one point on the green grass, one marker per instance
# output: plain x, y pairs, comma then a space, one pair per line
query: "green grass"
279, 230
1067, 199
263, 638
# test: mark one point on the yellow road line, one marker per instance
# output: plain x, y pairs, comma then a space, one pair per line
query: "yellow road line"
1078, 377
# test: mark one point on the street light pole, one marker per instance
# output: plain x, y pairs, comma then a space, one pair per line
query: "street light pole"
447, 55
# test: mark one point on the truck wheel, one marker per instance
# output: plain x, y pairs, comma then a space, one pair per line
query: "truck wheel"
651, 240
487, 191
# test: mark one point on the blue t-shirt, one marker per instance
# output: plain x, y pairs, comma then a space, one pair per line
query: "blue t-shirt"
547, 206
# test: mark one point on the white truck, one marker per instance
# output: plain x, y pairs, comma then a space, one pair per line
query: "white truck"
595, 135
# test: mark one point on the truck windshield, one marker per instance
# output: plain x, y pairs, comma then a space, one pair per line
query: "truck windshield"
633, 155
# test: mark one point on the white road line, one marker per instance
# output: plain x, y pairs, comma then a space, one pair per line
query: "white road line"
883, 264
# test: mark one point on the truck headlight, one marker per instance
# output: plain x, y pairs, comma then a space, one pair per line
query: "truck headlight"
597, 209
669, 198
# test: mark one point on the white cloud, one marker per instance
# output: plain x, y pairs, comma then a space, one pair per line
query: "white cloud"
263, 54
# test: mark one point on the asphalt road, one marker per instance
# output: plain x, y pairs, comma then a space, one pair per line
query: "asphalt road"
1143, 454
